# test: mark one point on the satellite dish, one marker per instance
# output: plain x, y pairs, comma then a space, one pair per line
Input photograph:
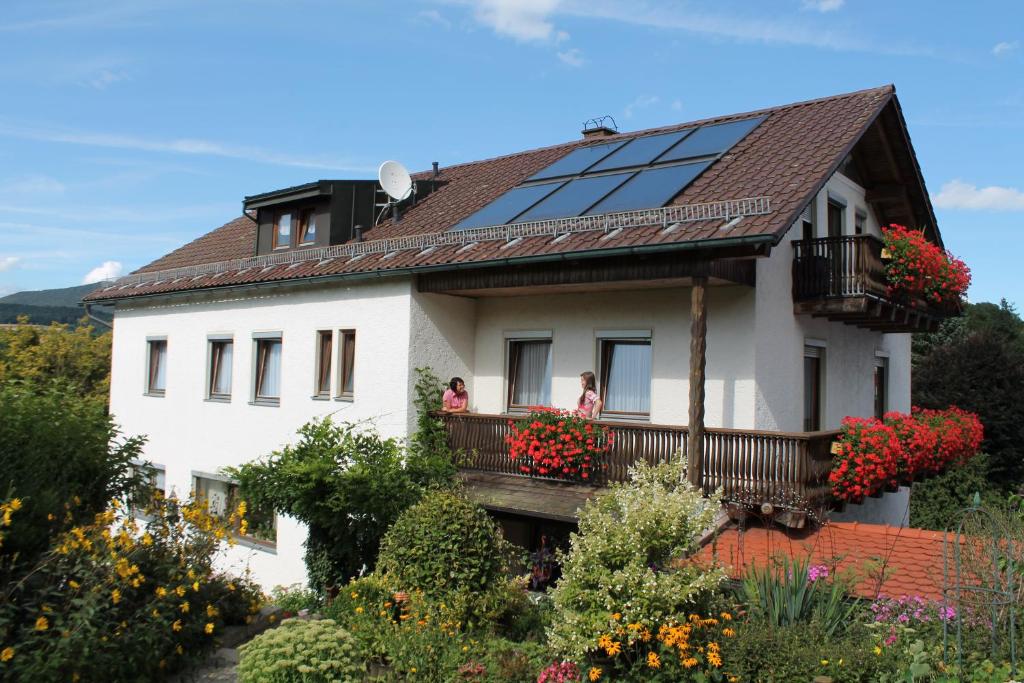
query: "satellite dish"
395, 180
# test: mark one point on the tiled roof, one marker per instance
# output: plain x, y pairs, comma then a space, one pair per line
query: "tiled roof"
788, 157
885, 561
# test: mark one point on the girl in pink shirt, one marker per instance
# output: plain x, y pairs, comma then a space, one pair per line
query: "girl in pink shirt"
456, 398
590, 404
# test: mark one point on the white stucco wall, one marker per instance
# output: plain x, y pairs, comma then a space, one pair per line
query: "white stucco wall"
849, 351
187, 433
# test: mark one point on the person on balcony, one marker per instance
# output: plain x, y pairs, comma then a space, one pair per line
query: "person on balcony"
590, 404
456, 398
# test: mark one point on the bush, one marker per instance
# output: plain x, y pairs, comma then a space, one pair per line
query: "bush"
933, 502
116, 601
300, 651
626, 558
62, 459
444, 544
347, 485
294, 599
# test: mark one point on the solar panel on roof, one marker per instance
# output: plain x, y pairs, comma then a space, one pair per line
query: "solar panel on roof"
712, 140
577, 161
507, 206
651, 188
639, 151
574, 198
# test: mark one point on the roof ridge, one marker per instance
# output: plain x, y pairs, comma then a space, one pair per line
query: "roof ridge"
882, 89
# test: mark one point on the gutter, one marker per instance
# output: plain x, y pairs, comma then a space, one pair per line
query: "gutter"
764, 242
90, 316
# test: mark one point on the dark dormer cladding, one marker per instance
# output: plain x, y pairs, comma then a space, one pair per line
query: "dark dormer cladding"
321, 213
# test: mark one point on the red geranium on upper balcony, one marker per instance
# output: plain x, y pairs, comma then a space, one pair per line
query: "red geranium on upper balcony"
919, 269
558, 444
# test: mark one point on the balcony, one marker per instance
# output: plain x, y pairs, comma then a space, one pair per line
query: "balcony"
778, 473
843, 279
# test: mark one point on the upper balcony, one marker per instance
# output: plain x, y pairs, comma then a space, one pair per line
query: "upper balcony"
844, 279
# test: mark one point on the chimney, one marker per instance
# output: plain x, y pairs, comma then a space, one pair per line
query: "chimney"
600, 127
358, 230
436, 172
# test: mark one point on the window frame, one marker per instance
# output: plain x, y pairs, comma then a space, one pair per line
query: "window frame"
605, 345
261, 340
346, 364
815, 351
881, 363
151, 369
213, 364
246, 540
840, 208
324, 356
512, 344
275, 243
305, 217
860, 222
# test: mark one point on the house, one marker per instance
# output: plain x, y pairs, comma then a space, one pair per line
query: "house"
723, 278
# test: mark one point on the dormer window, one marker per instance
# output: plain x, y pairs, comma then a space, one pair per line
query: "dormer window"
283, 231
307, 227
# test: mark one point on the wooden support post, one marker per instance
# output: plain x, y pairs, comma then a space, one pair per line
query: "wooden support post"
698, 348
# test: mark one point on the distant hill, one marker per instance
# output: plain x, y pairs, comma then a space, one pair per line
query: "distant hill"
49, 305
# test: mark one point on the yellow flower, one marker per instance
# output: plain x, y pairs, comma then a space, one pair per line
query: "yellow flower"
714, 659
653, 661
604, 641
155, 613
614, 648
383, 613
147, 540
359, 610
180, 590
734, 679
824, 662
726, 616
195, 586
74, 584
878, 650
176, 626
180, 650
211, 611
595, 673
15, 504
354, 595
42, 623
616, 616
160, 591
690, 662
184, 607
728, 632
208, 628
7, 654
412, 670
115, 596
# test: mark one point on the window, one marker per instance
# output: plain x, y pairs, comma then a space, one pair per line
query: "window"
324, 339
836, 212
626, 377
267, 382
881, 386
307, 227
222, 500
859, 220
283, 231
806, 225
153, 490
529, 372
347, 364
219, 382
156, 376
813, 395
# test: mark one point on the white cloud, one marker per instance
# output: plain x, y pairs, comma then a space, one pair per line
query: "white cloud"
677, 104
33, 184
641, 102
8, 262
1003, 48
957, 194
572, 57
103, 79
823, 5
108, 271
524, 20
432, 16
177, 146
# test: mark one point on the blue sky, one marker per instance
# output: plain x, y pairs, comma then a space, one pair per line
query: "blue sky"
128, 128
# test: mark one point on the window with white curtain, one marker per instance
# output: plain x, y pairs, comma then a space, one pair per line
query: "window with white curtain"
219, 383
268, 370
529, 373
156, 380
626, 377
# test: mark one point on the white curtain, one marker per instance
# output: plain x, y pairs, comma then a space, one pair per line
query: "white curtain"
629, 378
533, 374
222, 382
271, 385
160, 358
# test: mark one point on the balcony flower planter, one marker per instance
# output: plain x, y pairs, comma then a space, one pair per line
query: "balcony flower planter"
921, 273
559, 445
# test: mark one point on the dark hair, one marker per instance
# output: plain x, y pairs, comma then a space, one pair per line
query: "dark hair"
454, 384
591, 380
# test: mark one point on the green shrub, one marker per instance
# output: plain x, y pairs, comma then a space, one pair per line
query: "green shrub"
294, 599
348, 485
444, 544
933, 502
625, 558
62, 458
300, 651
431, 462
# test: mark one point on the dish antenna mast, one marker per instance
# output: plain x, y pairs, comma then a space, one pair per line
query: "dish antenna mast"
397, 184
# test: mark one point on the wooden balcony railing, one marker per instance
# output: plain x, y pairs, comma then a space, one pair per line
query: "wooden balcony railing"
788, 470
838, 267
